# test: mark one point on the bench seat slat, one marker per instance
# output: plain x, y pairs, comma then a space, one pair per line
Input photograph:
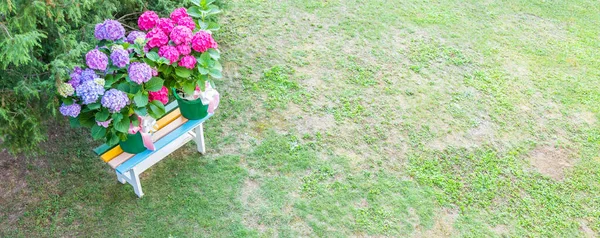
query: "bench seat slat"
155, 137
174, 135
164, 121
100, 150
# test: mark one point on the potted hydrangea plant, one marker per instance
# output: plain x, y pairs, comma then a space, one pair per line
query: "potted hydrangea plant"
118, 91
186, 55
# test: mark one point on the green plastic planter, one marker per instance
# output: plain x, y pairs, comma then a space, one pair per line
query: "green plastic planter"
192, 110
134, 144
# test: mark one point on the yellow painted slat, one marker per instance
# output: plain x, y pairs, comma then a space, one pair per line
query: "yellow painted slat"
155, 137
162, 122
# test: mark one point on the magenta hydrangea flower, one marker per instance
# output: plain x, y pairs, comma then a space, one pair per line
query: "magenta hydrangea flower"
166, 25
156, 38
147, 20
184, 49
75, 76
95, 59
104, 124
88, 75
109, 30
139, 72
114, 100
89, 91
72, 110
169, 52
161, 95
119, 57
202, 41
188, 61
134, 35
181, 35
178, 14
187, 22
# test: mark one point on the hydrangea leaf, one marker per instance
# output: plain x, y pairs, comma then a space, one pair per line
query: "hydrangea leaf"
155, 84
98, 132
140, 99
102, 115
183, 72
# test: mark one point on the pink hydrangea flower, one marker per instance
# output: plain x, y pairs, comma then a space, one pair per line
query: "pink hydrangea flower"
154, 72
203, 41
104, 124
181, 35
178, 14
169, 52
188, 22
184, 49
188, 61
147, 20
156, 38
161, 95
166, 25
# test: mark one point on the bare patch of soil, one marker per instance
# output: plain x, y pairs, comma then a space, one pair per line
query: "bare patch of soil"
12, 185
501, 230
249, 192
443, 226
551, 161
584, 118
587, 231
485, 132
307, 122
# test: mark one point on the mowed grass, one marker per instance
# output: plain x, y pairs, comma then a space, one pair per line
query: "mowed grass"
361, 118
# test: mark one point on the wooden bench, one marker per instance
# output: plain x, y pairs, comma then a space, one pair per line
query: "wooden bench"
173, 132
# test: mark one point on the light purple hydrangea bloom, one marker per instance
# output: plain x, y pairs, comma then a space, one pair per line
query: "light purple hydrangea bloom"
109, 30
70, 110
134, 35
75, 77
95, 59
139, 72
119, 57
87, 75
89, 91
114, 100
114, 30
100, 31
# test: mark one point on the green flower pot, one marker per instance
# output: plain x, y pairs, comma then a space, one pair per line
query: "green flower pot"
192, 110
134, 144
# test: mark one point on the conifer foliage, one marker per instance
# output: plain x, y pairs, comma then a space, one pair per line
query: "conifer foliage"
40, 41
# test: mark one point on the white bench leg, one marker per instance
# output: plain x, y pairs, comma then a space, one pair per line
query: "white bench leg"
135, 182
200, 138
120, 178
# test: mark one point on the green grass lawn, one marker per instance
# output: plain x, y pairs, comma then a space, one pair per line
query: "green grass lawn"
360, 118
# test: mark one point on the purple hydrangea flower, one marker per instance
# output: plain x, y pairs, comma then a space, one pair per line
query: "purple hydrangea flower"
87, 75
109, 30
70, 110
100, 31
114, 30
89, 91
139, 72
114, 100
119, 57
95, 59
75, 77
134, 35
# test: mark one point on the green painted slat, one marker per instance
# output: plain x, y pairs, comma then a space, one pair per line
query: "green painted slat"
104, 147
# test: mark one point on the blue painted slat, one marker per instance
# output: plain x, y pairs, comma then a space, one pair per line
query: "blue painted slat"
104, 147
138, 158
